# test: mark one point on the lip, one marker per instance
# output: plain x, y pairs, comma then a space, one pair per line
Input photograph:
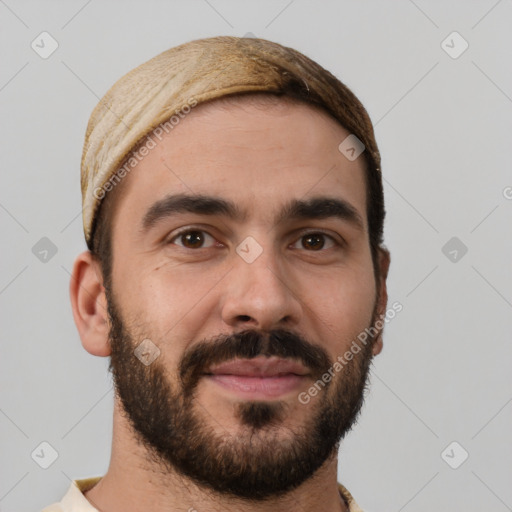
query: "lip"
260, 367
259, 378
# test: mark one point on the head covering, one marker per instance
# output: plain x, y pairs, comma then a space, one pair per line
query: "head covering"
168, 86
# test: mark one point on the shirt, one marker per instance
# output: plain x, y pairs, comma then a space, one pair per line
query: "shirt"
75, 501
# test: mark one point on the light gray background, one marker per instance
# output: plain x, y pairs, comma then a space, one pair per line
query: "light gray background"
443, 126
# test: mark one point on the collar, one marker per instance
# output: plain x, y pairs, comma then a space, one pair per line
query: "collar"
76, 501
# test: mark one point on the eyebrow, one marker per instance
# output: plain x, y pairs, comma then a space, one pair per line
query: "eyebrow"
320, 207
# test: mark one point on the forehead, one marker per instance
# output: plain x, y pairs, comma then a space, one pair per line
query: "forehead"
259, 151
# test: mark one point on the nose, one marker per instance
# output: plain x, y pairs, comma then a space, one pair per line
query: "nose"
258, 295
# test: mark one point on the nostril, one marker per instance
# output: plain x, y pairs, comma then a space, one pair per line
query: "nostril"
244, 318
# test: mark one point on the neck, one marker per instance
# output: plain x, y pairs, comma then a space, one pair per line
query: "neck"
134, 483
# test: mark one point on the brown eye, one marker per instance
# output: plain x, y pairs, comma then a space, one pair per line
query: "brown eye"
315, 242
192, 239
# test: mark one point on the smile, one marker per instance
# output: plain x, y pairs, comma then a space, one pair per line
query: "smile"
259, 387
259, 378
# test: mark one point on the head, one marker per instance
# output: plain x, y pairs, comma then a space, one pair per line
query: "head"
244, 235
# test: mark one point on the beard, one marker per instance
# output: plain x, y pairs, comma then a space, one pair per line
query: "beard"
266, 458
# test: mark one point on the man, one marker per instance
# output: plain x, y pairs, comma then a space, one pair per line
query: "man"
233, 211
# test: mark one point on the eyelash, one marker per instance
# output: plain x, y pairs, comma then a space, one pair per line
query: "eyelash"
301, 235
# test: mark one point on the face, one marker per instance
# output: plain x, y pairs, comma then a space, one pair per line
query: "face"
241, 256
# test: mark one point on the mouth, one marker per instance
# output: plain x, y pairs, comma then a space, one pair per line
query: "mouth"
259, 378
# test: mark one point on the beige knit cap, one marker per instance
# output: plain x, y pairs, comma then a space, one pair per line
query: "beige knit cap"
198, 71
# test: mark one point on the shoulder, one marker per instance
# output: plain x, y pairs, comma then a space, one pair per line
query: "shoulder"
55, 507
74, 498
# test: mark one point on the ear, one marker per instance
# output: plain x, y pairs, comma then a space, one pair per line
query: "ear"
89, 304
384, 259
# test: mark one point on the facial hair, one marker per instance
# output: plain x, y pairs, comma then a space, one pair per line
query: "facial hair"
256, 464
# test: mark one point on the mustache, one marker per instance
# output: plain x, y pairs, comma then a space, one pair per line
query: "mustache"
249, 344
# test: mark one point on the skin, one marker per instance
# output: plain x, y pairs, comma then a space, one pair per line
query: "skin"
259, 158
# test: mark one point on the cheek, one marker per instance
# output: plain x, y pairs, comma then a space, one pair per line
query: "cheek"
169, 303
162, 290
341, 305
346, 286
